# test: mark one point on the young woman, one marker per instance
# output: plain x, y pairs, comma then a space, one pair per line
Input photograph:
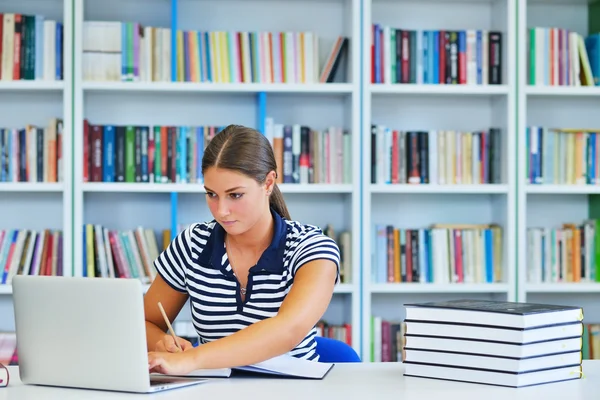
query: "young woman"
258, 282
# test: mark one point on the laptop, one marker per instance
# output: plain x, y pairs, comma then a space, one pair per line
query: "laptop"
85, 333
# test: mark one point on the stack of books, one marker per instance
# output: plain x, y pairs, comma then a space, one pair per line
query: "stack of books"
495, 343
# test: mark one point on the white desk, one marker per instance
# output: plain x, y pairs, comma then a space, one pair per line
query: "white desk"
345, 381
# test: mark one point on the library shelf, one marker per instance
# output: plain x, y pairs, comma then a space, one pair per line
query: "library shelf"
564, 287
466, 288
432, 188
562, 189
438, 89
572, 91
199, 188
31, 85
313, 88
31, 187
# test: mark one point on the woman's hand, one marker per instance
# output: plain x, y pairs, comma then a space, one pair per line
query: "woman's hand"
168, 344
180, 363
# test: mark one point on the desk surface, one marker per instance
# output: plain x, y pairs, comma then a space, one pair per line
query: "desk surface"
344, 381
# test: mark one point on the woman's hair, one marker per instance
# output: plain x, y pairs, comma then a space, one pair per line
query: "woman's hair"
242, 149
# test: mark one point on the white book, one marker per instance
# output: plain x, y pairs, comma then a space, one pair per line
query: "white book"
283, 365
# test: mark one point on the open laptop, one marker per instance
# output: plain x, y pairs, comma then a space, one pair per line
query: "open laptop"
85, 333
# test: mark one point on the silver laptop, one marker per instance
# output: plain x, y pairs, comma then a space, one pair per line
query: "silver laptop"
85, 333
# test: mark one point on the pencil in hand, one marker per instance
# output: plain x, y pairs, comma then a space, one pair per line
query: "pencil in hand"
171, 331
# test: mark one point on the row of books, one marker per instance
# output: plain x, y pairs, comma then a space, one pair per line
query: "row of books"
144, 153
32, 153
562, 156
30, 252
31, 47
569, 253
432, 156
441, 253
590, 349
342, 332
493, 342
307, 155
121, 253
387, 339
173, 154
455, 57
343, 239
561, 57
130, 51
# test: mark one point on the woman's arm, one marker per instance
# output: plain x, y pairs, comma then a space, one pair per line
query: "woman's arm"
171, 300
302, 308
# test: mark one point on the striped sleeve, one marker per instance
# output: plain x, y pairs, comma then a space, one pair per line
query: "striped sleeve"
314, 245
176, 259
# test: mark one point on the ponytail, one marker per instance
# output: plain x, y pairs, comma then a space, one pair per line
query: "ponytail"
277, 203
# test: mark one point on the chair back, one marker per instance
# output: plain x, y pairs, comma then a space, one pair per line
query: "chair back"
335, 351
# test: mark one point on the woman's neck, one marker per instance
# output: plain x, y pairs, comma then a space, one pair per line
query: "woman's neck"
258, 237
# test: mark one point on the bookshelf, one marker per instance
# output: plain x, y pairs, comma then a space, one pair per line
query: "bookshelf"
402, 101
169, 101
353, 102
552, 202
32, 102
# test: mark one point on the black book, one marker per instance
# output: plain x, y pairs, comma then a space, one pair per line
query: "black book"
494, 313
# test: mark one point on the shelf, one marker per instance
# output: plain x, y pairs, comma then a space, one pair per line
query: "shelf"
328, 88
562, 189
30, 85
462, 189
573, 91
30, 187
5, 289
199, 188
567, 287
438, 288
405, 88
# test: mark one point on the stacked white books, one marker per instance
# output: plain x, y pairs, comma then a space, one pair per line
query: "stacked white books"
496, 343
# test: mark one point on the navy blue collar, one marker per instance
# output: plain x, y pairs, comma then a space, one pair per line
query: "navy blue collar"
271, 259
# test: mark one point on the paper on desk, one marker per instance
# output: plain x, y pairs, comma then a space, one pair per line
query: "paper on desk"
290, 366
284, 365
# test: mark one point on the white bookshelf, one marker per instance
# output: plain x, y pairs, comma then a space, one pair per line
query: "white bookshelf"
38, 205
428, 107
127, 205
550, 205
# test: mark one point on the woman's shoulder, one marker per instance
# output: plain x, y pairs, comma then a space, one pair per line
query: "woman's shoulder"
199, 232
299, 232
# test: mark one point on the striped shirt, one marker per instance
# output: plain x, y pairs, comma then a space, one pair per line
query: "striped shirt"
195, 262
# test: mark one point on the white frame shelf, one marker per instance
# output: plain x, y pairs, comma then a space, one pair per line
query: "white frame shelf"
435, 188
31, 187
399, 292
431, 89
165, 87
199, 188
34, 85
349, 92
544, 290
63, 188
420, 288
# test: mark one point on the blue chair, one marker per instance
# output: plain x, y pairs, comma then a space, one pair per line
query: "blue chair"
335, 351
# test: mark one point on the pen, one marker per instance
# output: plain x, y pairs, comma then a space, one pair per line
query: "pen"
162, 311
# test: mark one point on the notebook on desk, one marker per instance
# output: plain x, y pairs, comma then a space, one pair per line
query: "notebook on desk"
284, 366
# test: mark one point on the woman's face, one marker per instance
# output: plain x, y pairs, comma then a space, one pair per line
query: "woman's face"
236, 201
